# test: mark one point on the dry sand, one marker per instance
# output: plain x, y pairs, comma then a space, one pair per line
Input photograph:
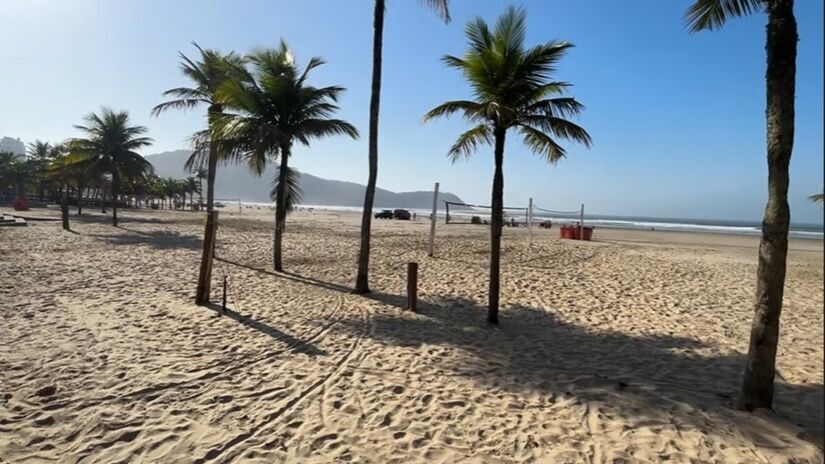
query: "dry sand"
625, 349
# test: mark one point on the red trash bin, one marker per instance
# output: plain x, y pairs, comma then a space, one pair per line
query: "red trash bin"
588, 233
20, 204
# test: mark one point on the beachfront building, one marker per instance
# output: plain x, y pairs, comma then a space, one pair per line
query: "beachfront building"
15, 146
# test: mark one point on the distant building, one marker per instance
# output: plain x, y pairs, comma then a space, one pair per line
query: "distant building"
13, 145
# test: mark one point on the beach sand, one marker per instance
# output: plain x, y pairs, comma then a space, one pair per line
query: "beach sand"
625, 349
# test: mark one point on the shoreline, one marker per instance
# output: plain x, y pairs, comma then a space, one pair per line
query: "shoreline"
598, 221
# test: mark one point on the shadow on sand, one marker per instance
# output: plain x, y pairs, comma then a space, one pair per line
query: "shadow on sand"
294, 344
162, 240
535, 350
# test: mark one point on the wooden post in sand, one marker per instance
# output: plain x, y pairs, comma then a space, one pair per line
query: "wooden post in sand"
412, 286
581, 223
205, 276
64, 213
432, 221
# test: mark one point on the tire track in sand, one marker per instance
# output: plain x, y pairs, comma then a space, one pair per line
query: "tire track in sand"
353, 351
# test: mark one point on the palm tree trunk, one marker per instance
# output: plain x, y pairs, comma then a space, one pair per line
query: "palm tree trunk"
757, 385
280, 209
79, 200
496, 219
115, 192
212, 167
362, 280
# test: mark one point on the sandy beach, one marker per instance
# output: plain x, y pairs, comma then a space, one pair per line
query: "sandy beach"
622, 350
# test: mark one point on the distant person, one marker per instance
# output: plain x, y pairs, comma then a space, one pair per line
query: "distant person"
414, 216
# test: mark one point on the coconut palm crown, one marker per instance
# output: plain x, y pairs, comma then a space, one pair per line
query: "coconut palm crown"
110, 146
206, 76
512, 89
270, 106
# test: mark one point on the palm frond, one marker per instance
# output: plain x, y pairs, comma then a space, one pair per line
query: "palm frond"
713, 14
560, 128
441, 7
470, 109
542, 144
468, 142
293, 192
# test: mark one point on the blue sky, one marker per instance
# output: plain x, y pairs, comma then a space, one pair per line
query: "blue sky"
677, 119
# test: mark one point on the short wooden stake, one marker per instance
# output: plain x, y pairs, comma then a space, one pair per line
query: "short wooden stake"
223, 303
205, 276
412, 286
64, 212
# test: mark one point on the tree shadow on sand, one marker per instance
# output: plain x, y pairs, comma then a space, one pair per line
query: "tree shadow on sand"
639, 375
294, 344
162, 240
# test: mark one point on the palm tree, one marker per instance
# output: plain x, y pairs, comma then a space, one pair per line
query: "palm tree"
7, 162
201, 174
780, 77
22, 171
192, 187
66, 173
274, 107
41, 153
110, 145
362, 279
207, 76
511, 87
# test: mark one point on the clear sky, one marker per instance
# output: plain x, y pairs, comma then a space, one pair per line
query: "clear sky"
677, 119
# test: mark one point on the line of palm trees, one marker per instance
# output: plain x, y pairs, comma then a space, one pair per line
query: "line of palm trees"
259, 105
63, 173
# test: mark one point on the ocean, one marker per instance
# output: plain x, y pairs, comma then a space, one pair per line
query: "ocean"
798, 230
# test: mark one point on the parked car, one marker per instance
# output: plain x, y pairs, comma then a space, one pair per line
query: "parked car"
384, 214
402, 214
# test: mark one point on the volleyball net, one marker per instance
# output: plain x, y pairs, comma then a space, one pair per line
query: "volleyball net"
228, 205
465, 213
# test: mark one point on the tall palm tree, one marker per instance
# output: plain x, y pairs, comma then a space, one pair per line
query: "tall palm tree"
272, 108
441, 8
780, 79
511, 87
110, 145
206, 75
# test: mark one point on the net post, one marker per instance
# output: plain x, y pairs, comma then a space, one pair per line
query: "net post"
530, 220
412, 287
581, 223
446, 212
205, 276
432, 221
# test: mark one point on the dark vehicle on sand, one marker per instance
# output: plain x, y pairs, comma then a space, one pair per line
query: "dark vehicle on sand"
402, 214
384, 214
